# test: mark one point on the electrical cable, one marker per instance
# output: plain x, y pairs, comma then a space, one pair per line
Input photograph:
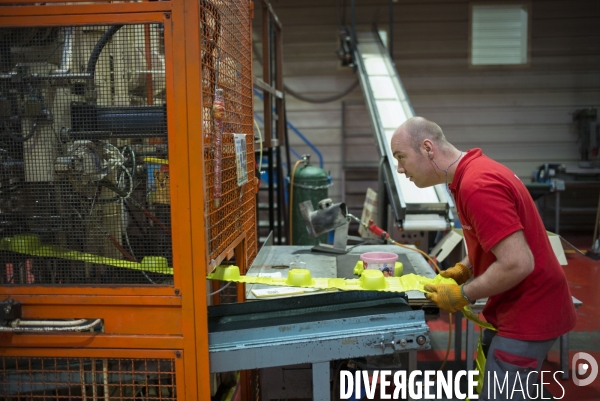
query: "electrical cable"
292, 195
16, 137
129, 244
327, 99
436, 268
135, 203
304, 98
220, 289
130, 182
260, 142
133, 161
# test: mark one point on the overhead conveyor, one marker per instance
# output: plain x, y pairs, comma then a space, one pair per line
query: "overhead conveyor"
424, 209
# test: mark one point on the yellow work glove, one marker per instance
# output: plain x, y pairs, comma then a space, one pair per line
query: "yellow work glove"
446, 296
459, 272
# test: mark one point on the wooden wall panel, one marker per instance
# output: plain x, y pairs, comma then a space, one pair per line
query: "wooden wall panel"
520, 116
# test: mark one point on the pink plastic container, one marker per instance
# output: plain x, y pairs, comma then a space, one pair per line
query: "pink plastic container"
383, 261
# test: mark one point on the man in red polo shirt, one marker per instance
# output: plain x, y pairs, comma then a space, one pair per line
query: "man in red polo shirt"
510, 260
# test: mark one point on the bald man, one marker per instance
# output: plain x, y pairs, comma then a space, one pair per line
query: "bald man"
510, 260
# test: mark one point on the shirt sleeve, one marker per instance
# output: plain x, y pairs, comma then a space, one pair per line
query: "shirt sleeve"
492, 212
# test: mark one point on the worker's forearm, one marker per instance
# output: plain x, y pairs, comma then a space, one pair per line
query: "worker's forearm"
466, 262
495, 280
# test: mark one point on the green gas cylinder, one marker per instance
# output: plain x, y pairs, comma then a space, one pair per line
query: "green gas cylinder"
310, 183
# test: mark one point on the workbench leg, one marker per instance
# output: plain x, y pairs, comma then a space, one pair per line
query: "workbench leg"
470, 346
320, 381
564, 355
457, 336
412, 361
412, 365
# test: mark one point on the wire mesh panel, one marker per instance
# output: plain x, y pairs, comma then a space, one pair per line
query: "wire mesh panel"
84, 169
227, 124
53, 379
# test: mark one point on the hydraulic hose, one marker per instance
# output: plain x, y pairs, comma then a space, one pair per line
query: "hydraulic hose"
91, 67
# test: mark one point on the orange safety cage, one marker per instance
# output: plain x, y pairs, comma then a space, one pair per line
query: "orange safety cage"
126, 174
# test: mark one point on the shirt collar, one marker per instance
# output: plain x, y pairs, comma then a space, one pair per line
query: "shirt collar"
470, 155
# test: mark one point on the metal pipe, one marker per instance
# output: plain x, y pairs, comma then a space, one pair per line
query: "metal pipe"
57, 323
82, 377
67, 53
51, 329
53, 76
353, 14
97, 135
391, 36
94, 389
105, 377
148, 52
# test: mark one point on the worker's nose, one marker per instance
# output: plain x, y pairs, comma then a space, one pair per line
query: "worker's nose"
401, 170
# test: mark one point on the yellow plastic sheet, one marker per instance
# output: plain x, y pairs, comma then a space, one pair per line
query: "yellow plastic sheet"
30, 245
370, 280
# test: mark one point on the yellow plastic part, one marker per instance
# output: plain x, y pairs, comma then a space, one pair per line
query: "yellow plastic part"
299, 278
227, 273
398, 269
155, 160
360, 267
373, 280
370, 280
29, 244
480, 366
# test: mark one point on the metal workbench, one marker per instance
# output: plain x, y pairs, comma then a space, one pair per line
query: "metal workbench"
322, 327
276, 260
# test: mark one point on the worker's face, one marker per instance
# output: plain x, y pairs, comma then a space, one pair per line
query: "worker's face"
413, 164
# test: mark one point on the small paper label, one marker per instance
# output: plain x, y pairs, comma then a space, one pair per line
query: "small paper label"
240, 158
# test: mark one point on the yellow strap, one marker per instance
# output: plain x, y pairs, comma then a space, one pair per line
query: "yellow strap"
370, 280
29, 244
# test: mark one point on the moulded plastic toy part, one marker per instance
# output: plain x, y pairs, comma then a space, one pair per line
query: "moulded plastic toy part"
226, 273
156, 264
398, 269
297, 263
24, 243
373, 280
359, 267
299, 278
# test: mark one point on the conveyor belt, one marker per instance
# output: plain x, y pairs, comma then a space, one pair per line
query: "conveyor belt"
295, 310
423, 209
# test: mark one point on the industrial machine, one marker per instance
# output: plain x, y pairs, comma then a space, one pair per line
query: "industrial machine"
125, 130
126, 175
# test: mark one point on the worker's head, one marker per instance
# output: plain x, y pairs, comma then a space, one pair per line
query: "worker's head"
415, 145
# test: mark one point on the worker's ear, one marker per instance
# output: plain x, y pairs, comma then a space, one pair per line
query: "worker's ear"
428, 148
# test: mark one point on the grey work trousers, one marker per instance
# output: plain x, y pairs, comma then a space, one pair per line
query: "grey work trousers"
512, 367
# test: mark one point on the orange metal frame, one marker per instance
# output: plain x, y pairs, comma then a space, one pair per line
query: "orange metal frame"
142, 321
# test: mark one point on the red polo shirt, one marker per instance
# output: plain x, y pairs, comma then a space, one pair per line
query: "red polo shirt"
493, 203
